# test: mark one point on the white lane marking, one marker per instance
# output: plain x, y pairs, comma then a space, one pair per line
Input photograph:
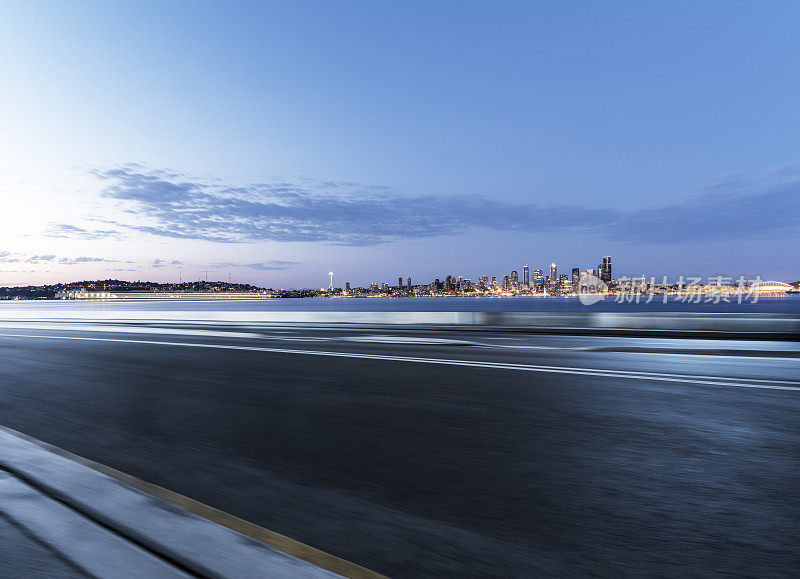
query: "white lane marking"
129, 330
526, 347
779, 353
722, 356
662, 377
373, 338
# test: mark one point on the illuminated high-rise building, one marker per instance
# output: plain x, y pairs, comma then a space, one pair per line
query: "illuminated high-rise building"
409, 286
538, 280
526, 277
576, 278
605, 270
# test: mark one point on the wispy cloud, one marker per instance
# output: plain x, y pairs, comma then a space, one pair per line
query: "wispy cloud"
9, 257
77, 260
67, 231
270, 265
737, 209
40, 258
172, 205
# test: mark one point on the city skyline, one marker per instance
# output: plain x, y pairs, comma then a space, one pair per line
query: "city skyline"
483, 143
538, 280
180, 273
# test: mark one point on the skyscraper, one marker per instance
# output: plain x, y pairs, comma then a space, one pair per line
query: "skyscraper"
605, 270
400, 283
553, 275
409, 287
538, 280
526, 277
576, 278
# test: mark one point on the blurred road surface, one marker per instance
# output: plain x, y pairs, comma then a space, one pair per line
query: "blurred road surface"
422, 452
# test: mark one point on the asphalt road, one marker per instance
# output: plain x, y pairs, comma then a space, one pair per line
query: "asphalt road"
421, 452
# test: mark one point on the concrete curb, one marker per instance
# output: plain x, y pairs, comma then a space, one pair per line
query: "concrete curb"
50, 494
83, 542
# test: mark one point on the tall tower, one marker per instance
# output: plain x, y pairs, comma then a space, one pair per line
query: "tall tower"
553, 272
538, 280
526, 276
605, 269
330, 287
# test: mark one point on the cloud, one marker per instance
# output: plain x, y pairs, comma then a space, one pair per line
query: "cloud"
272, 265
40, 258
171, 205
269, 265
729, 211
157, 263
78, 260
8, 257
67, 231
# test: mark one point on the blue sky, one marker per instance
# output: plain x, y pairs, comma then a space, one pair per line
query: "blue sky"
379, 139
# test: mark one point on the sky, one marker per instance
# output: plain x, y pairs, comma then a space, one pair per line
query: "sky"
282, 140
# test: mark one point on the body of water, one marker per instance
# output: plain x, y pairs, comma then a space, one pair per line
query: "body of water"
789, 304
